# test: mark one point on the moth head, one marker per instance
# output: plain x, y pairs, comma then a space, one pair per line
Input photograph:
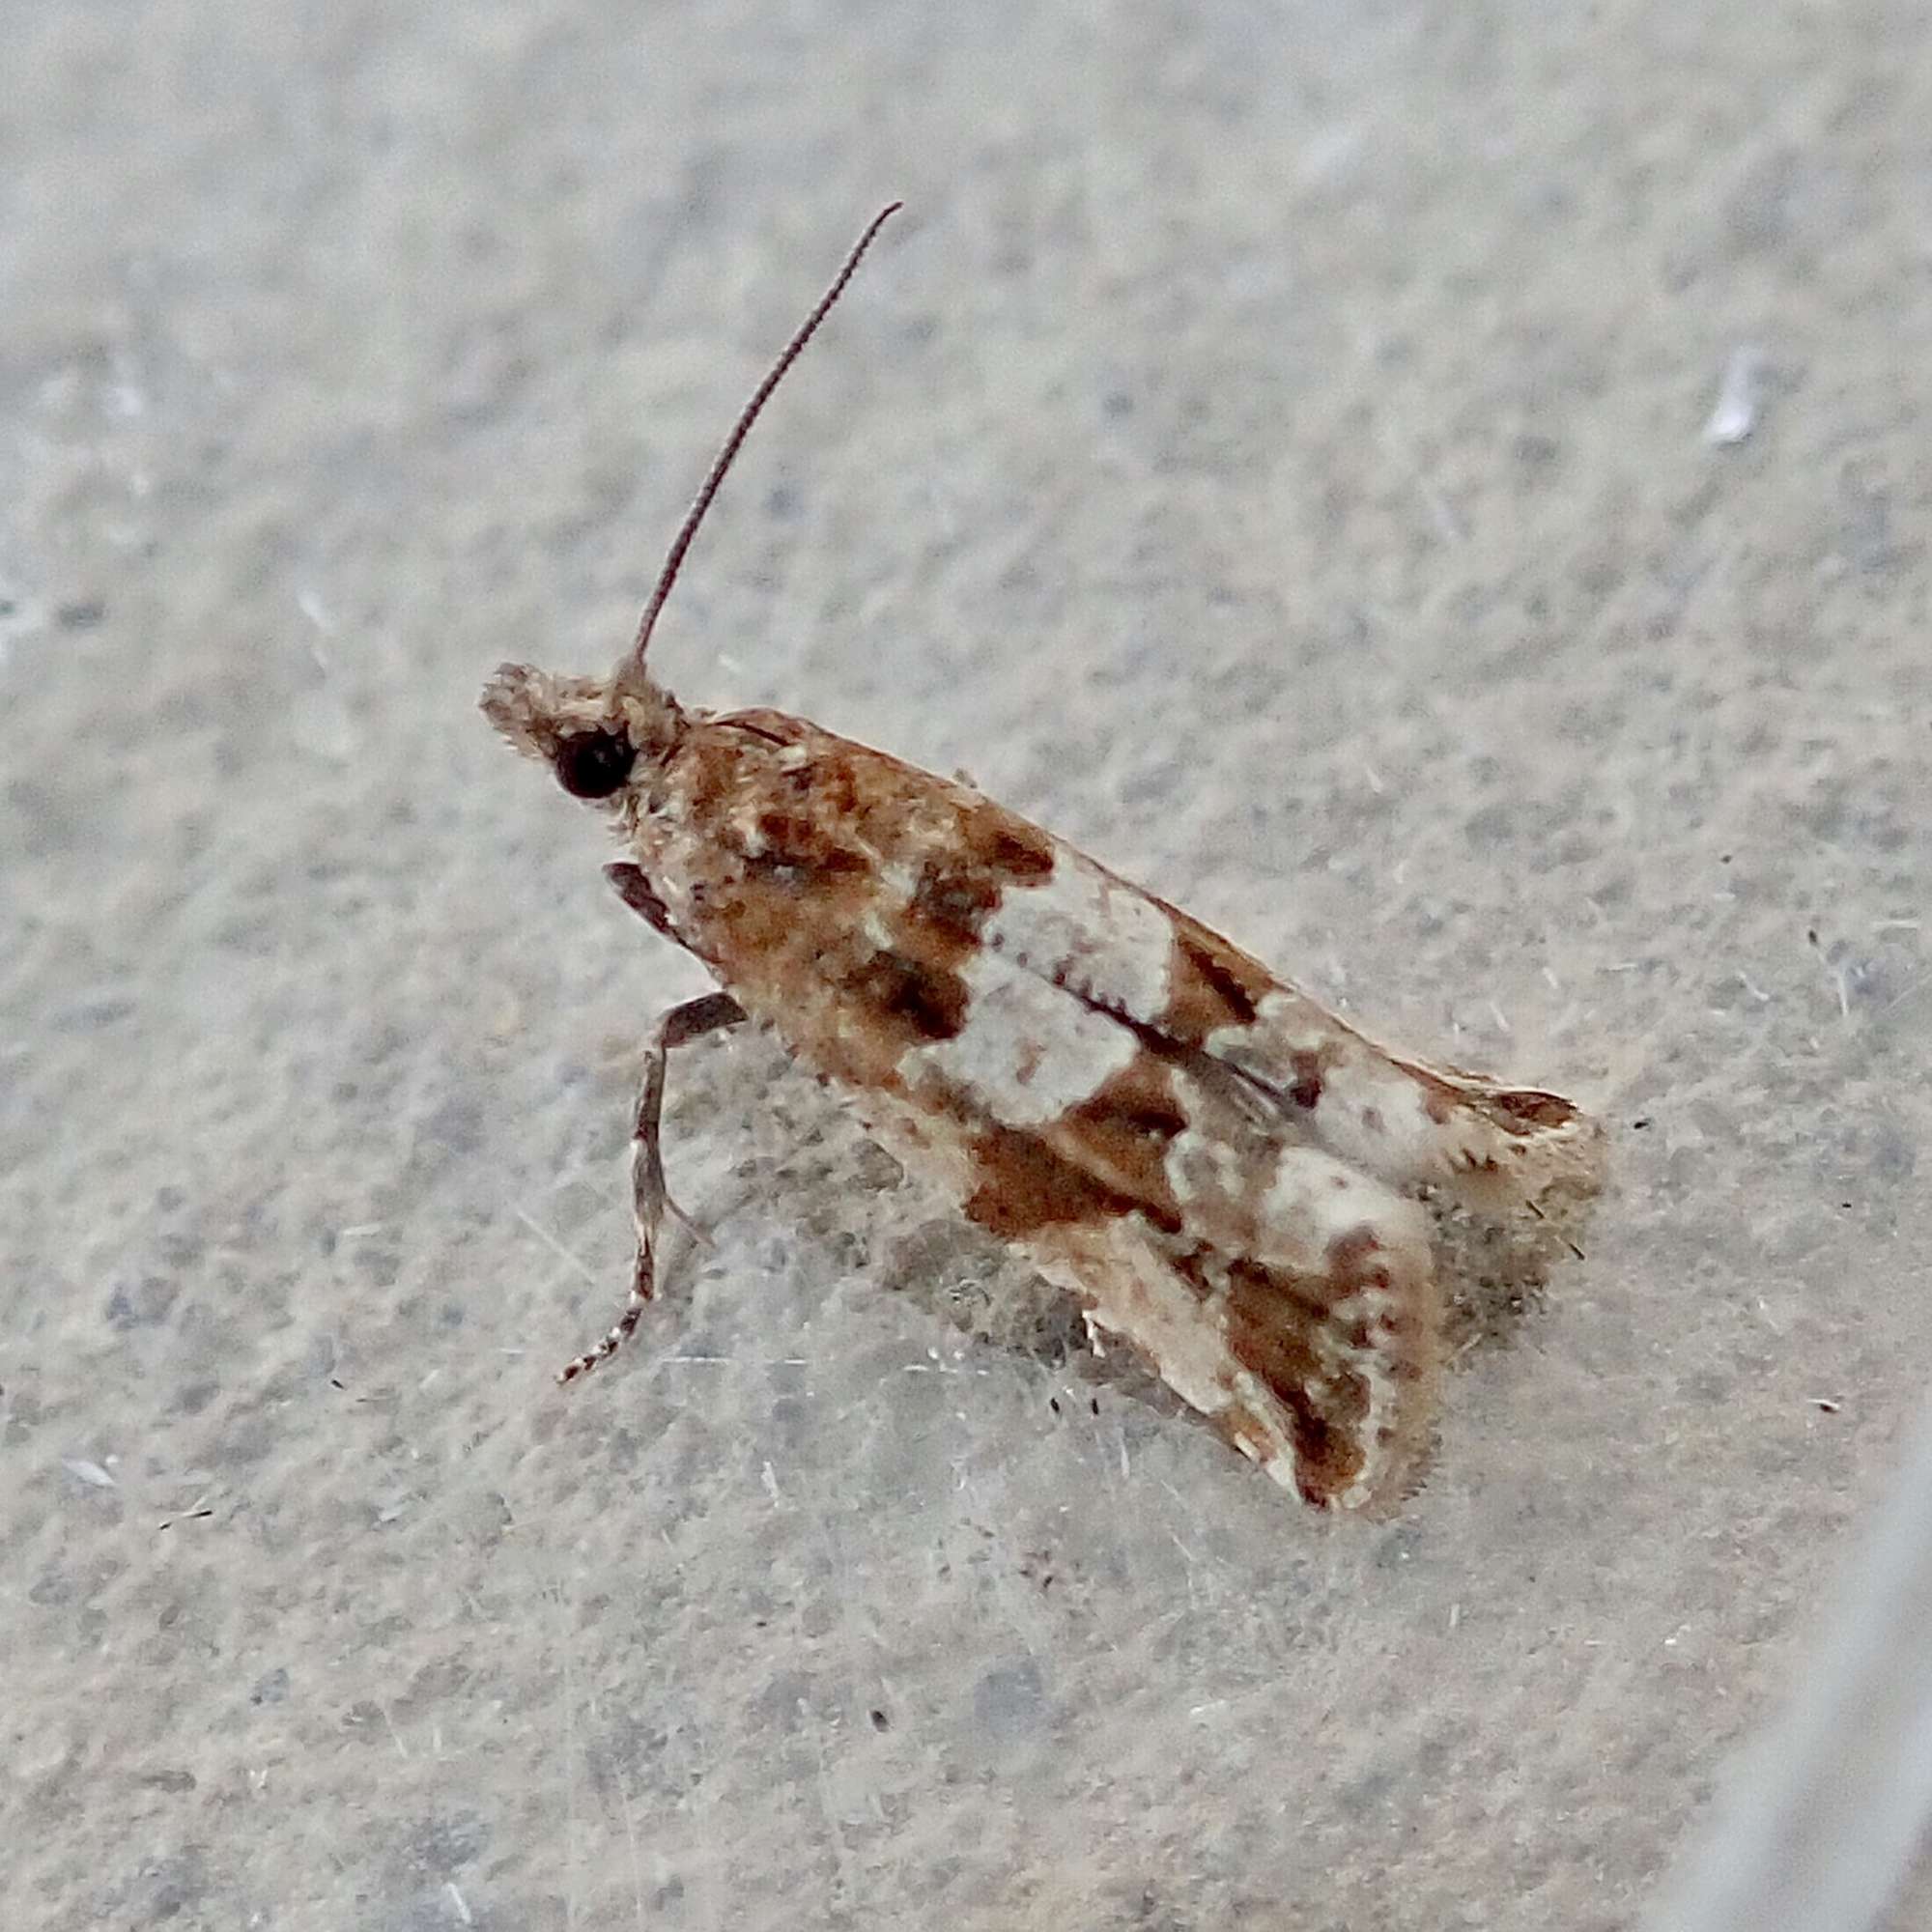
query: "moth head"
601, 735
597, 735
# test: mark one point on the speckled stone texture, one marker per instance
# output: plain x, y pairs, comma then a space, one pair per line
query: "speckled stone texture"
1271, 451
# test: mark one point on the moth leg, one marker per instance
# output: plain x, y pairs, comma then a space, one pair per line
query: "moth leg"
634, 889
683, 1024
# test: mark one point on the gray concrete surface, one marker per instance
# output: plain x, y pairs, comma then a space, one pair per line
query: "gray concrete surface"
1271, 450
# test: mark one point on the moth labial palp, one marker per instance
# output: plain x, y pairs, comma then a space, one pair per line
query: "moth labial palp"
1229, 1178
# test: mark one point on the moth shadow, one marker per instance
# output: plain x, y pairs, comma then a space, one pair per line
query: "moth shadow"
1494, 1274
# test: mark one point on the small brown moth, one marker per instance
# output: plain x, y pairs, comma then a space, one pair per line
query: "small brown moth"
1227, 1176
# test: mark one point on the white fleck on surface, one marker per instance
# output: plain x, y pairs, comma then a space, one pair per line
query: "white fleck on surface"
1740, 391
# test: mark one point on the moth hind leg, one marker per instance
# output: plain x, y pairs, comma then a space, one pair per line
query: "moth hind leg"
649, 1199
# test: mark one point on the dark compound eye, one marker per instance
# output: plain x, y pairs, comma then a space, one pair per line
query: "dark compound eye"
593, 764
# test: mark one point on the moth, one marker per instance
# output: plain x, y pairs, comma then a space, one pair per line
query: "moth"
1231, 1179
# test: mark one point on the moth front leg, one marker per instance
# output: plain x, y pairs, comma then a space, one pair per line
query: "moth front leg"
634, 889
693, 1020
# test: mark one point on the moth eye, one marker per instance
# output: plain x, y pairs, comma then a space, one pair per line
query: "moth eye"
593, 764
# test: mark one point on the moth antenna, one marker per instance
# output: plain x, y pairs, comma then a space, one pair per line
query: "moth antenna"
674, 559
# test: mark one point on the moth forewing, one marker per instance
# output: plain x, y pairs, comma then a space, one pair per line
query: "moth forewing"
1223, 1172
